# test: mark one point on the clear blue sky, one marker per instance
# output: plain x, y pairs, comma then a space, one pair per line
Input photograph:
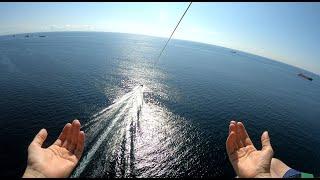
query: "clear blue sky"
286, 32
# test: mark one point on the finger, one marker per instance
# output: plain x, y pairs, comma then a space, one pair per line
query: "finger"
66, 135
76, 130
265, 141
232, 128
238, 140
65, 132
73, 138
40, 137
231, 144
80, 145
63, 135
244, 135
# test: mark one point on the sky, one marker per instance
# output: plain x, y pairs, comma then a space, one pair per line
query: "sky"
288, 32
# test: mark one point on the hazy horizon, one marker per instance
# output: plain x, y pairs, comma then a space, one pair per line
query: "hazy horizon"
318, 74
285, 32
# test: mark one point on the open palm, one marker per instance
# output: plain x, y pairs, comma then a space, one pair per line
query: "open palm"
246, 160
60, 158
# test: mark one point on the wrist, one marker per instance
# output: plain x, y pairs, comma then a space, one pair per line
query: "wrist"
263, 175
31, 173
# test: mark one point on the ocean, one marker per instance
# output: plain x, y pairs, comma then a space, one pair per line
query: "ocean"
175, 125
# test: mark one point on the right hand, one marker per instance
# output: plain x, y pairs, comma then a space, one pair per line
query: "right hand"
247, 161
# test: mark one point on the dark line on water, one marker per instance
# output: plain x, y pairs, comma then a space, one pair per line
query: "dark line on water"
132, 157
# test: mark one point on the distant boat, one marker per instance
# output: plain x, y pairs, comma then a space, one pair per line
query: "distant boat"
305, 77
13, 35
26, 36
233, 51
42, 36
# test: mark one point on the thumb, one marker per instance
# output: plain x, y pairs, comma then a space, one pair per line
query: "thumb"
265, 141
40, 137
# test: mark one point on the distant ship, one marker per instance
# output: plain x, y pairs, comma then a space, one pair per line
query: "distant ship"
26, 36
233, 51
304, 76
42, 36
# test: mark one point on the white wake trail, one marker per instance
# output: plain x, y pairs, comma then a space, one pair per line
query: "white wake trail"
125, 108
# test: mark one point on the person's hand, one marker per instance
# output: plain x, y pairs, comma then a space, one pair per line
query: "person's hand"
60, 158
246, 160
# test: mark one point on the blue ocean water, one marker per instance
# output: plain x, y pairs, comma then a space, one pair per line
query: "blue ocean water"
175, 125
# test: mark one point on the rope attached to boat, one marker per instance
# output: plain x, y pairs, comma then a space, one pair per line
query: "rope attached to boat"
172, 33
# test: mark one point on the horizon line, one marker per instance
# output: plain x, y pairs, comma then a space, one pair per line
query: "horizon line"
271, 59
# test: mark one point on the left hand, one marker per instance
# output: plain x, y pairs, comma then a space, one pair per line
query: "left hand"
60, 158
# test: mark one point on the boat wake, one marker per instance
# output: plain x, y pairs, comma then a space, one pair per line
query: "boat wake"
134, 138
124, 112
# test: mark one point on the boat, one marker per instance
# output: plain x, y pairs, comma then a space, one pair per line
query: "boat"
42, 36
305, 77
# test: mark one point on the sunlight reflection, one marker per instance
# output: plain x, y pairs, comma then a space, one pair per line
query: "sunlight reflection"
133, 137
